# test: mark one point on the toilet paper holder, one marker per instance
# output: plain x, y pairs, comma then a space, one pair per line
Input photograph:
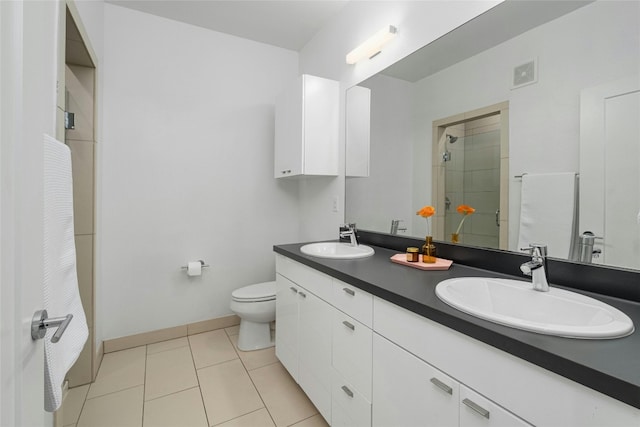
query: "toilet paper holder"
185, 267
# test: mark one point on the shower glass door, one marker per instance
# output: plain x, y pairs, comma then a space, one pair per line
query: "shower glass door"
472, 177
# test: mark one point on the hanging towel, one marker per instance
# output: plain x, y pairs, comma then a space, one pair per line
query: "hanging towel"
61, 295
548, 212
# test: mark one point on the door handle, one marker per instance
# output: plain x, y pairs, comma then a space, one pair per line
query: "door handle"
41, 322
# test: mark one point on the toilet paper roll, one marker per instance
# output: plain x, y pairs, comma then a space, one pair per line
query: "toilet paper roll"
194, 268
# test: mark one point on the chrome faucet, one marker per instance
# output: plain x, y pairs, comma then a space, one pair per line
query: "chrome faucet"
537, 267
349, 231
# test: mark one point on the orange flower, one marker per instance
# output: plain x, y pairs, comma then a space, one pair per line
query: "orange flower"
465, 209
426, 211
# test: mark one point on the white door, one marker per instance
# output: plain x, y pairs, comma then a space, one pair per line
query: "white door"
610, 170
28, 55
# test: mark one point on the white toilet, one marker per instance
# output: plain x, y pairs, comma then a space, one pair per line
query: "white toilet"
256, 307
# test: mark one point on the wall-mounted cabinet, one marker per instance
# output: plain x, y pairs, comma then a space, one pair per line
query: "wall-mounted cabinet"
358, 131
306, 130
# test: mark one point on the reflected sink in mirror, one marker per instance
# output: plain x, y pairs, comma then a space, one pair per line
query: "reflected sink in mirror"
514, 303
337, 250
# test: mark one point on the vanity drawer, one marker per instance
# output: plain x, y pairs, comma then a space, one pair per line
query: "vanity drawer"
353, 301
349, 408
312, 280
352, 351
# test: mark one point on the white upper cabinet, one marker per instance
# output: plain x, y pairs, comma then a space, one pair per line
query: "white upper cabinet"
358, 132
306, 133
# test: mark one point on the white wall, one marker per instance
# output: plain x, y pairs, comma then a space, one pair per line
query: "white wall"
418, 23
187, 170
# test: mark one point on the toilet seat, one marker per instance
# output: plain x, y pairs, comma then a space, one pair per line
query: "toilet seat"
255, 293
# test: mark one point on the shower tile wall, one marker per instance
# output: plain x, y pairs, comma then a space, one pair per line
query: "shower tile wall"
79, 82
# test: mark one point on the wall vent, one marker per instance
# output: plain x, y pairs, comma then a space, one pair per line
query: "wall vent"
525, 74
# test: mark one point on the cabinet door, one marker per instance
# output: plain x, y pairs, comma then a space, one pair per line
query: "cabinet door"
287, 321
409, 392
288, 158
320, 117
478, 411
315, 350
352, 347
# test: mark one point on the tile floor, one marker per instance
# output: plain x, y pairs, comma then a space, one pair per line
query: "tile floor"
201, 380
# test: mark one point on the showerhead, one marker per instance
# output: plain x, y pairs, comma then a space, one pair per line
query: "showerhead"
451, 139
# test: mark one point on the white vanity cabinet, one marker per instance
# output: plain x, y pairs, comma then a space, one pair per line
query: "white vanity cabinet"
326, 350
306, 128
303, 337
513, 391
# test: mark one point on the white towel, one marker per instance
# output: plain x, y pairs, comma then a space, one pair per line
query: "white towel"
548, 211
61, 295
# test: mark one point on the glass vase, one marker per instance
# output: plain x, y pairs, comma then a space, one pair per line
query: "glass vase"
429, 251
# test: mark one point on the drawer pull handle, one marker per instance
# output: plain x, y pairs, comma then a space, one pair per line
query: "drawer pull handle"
293, 289
347, 391
442, 386
477, 408
349, 325
302, 294
349, 291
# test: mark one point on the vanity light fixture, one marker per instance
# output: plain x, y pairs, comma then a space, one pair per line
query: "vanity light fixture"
372, 46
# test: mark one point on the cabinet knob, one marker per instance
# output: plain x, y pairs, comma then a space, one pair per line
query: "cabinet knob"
476, 408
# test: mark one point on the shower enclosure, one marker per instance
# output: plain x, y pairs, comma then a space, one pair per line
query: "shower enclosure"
470, 166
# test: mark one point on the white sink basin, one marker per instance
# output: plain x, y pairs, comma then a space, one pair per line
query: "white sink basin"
336, 250
514, 303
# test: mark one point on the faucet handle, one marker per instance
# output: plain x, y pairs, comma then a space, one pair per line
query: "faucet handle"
536, 249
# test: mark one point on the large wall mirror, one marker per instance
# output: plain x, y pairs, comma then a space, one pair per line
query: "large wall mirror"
538, 62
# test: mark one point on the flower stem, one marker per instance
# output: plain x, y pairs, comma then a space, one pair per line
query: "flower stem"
460, 226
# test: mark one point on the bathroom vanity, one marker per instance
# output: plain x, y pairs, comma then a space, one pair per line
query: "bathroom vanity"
371, 344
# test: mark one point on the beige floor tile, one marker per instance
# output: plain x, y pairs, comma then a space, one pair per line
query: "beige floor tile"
119, 370
211, 348
122, 409
169, 372
315, 421
259, 418
167, 345
73, 404
184, 409
227, 391
284, 399
257, 358
233, 330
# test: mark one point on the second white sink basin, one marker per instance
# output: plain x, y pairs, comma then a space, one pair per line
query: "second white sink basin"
337, 250
514, 303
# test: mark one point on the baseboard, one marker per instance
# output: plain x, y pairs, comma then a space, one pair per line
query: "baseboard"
97, 361
159, 335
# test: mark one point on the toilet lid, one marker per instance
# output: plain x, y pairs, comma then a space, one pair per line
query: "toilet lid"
258, 292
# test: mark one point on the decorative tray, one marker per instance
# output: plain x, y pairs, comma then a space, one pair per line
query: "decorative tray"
440, 264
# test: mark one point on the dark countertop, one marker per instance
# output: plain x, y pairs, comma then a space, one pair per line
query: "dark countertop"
610, 366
